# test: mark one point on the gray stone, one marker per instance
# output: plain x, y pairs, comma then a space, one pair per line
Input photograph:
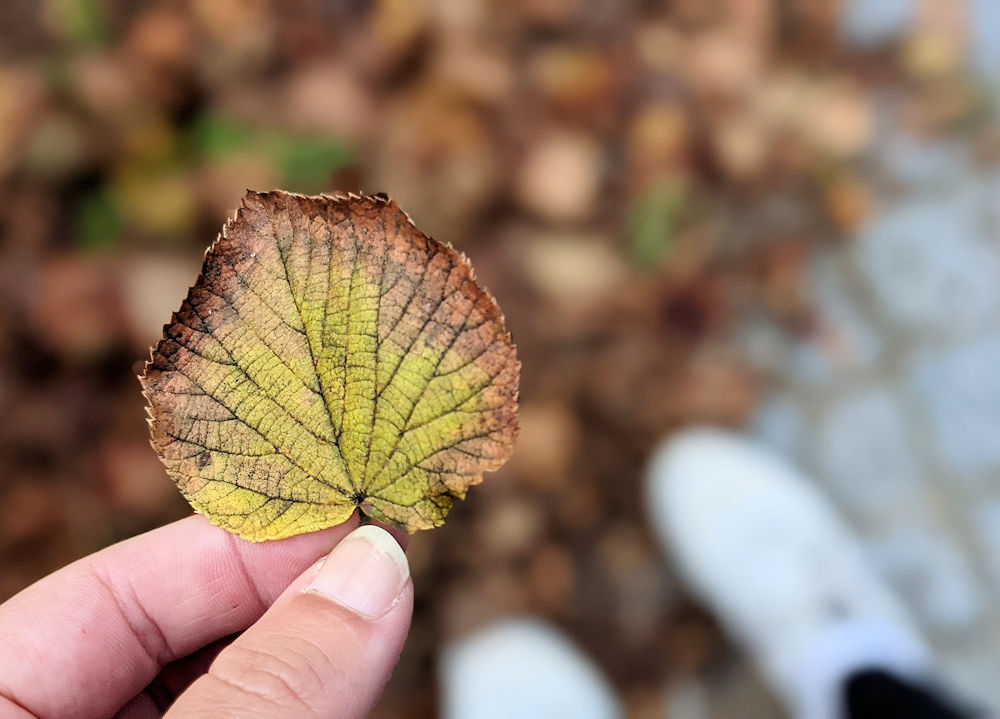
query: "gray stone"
843, 337
929, 266
960, 390
920, 166
868, 23
865, 454
687, 698
986, 525
780, 423
984, 25
970, 670
989, 191
932, 575
809, 363
764, 345
918, 445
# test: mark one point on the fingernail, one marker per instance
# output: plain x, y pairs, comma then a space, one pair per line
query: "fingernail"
365, 572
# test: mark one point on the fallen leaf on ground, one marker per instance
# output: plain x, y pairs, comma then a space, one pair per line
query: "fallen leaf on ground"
330, 356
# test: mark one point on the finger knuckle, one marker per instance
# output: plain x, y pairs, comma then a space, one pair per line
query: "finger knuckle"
294, 678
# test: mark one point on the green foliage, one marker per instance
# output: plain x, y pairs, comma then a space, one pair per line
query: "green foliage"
655, 219
97, 222
304, 162
82, 22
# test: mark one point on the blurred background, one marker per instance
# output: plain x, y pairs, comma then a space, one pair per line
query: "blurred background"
780, 216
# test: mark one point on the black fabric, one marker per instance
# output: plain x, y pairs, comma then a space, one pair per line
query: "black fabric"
876, 694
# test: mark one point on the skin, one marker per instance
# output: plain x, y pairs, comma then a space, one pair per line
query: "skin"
149, 623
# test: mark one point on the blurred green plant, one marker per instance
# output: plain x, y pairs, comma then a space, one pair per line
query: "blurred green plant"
97, 221
655, 219
81, 22
153, 186
304, 162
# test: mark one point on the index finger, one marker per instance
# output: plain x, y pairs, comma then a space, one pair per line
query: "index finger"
86, 639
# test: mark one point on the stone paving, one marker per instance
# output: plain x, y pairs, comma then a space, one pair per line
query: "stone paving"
894, 403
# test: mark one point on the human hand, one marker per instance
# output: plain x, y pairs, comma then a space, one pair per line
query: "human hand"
151, 619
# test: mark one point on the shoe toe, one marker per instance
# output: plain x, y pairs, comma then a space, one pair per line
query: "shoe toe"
522, 668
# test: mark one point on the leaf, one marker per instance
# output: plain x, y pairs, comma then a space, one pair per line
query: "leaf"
330, 356
656, 220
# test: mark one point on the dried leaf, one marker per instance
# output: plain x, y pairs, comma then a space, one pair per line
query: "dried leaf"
330, 356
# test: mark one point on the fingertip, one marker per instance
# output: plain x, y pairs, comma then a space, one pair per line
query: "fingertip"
365, 572
401, 536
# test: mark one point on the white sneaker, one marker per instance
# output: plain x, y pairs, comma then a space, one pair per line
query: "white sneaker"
522, 668
783, 574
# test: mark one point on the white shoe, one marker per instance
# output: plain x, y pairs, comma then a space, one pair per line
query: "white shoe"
522, 668
783, 574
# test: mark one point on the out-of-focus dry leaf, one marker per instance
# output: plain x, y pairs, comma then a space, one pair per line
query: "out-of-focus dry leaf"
742, 145
435, 151
512, 527
658, 138
242, 35
480, 72
74, 308
721, 63
849, 202
574, 77
561, 177
57, 148
331, 356
660, 46
552, 577
103, 85
30, 511
930, 55
938, 39
555, 13
149, 285
326, 97
22, 93
715, 390
134, 479
547, 448
578, 272
223, 180
161, 38
159, 202
837, 119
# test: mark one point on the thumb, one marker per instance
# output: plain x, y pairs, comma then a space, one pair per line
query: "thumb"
326, 647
